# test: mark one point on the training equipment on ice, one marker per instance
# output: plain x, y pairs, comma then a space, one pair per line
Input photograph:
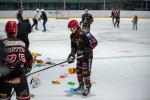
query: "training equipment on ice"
56, 82
72, 70
80, 90
63, 76
76, 90
35, 81
35, 54
71, 83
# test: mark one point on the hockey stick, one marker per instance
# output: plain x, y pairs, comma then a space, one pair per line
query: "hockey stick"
50, 66
12, 94
45, 68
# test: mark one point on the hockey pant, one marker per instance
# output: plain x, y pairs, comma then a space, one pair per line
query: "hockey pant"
20, 86
84, 72
117, 22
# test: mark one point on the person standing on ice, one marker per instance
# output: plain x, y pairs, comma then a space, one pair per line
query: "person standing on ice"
35, 19
82, 44
19, 16
44, 17
15, 57
87, 20
134, 21
24, 28
117, 17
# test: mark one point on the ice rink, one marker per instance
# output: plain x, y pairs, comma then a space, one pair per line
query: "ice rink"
121, 64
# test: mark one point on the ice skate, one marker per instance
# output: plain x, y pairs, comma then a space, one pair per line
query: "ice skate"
78, 90
86, 91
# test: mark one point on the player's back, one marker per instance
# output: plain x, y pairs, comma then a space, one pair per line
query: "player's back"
14, 51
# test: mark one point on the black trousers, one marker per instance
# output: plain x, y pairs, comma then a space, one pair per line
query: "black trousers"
44, 23
135, 25
35, 23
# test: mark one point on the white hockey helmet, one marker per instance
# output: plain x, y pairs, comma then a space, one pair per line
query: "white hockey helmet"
37, 9
42, 10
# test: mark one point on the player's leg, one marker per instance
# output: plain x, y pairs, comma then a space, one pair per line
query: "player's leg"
44, 25
118, 22
22, 89
86, 72
36, 24
136, 25
79, 77
5, 90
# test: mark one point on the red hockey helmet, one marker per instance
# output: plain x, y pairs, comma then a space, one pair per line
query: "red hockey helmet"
11, 27
72, 23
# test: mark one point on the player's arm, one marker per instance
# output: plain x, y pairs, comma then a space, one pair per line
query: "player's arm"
71, 56
73, 46
29, 61
90, 40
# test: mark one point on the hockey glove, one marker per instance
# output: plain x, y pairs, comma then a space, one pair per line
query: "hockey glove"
70, 58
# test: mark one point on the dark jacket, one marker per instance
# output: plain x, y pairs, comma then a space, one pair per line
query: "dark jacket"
43, 16
24, 28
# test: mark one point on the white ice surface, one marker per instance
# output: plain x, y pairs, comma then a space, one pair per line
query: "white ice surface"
121, 64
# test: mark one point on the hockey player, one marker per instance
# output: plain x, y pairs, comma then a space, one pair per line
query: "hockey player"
117, 17
16, 55
24, 28
19, 16
36, 18
87, 20
44, 17
134, 21
82, 44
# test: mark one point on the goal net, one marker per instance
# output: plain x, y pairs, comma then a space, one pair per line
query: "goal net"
62, 14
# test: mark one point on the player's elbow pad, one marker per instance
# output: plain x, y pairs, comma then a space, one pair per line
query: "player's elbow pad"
93, 44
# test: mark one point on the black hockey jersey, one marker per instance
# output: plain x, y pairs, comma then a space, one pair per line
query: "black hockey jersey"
87, 19
24, 28
83, 43
15, 55
44, 16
